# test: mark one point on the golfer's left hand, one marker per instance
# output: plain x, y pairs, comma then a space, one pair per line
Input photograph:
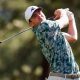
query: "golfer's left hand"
70, 15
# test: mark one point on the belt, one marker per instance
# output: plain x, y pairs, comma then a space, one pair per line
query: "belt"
71, 76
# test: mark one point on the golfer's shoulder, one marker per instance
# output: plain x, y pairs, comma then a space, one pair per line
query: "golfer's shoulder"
49, 23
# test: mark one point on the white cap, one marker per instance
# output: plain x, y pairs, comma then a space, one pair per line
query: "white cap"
29, 12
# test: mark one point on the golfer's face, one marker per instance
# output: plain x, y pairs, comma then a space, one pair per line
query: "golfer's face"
37, 17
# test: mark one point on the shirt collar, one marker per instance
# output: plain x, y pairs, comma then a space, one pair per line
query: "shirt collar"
36, 27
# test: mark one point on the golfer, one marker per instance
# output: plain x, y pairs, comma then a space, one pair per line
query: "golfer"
54, 43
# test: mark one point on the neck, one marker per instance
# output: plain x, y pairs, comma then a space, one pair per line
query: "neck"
43, 20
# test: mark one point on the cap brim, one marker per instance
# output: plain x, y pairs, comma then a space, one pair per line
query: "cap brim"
40, 8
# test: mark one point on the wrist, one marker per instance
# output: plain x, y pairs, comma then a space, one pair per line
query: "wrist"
71, 18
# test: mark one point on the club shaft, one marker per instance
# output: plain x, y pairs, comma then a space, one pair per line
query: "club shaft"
16, 34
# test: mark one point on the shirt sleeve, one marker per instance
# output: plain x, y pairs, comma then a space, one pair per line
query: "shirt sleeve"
63, 21
52, 24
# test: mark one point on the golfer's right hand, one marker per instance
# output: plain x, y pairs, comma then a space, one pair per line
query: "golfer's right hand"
57, 14
60, 12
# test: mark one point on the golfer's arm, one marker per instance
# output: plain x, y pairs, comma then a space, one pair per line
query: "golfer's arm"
71, 36
63, 21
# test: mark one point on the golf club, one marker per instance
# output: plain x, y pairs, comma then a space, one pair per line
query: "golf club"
14, 35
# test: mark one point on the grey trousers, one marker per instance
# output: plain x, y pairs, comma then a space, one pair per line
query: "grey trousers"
60, 78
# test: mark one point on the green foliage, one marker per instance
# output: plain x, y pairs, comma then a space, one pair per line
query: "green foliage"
21, 57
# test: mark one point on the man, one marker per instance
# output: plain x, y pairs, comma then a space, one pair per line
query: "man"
54, 43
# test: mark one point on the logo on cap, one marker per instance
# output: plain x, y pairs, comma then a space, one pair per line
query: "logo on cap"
32, 9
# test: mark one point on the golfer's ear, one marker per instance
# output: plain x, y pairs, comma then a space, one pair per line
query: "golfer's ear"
31, 24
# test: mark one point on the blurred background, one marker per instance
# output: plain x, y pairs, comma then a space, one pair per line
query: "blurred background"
21, 58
